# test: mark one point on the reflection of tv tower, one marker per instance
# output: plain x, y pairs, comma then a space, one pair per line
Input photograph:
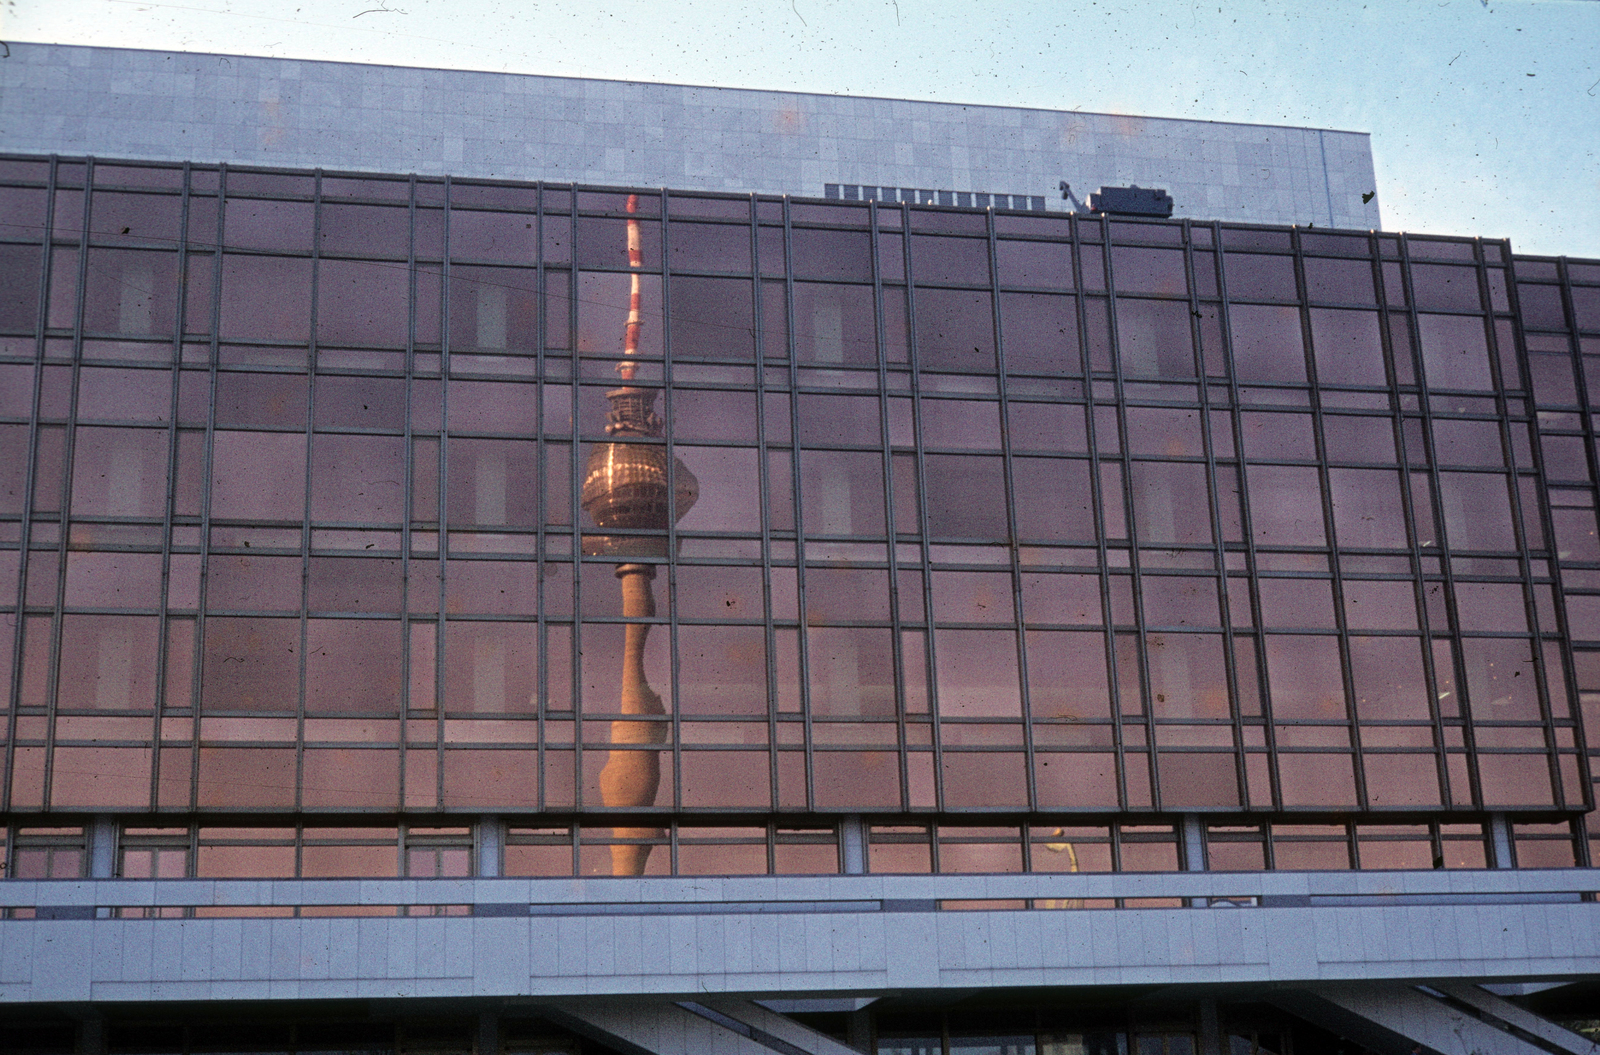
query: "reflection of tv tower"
626, 486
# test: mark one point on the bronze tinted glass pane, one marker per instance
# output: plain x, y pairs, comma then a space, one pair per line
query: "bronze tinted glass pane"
1388, 678
841, 493
345, 778
251, 665
1267, 344
966, 496
955, 330
603, 306
1196, 779
832, 323
989, 780
1149, 270
1154, 336
1552, 380
956, 261
360, 402
365, 230
709, 246
361, 303
485, 488
846, 595
1541, 307
1378, 605
1348, 347
1318, 780
960, 423
977, 674
1169, 503
822, 254
1180, 601
1278, 437
253, 583
1285, 505
261, 399
1501, 685
1038, 265
1303, 675
279, 225
600, 242
730, 494
494, 587
713, 415
1359, 439
357, 478
353, 584
493, 309
1367, 510
119, 472
130, 292
1477, 511
1491, 606
1455, 353
1254, 276
1339, 281
265, 298
1068, 599
851, 670
258, 475
19, 286
1187, 676
1067, 676
713, 318
1511, 781
108, 662
105, 580
496, 407
1467, 442
1440, 287
723, 671
1165, 431
491, 668
1053, 499
842, 420
1041, 333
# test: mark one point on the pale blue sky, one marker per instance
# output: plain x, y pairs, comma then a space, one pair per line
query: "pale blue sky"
1485, 117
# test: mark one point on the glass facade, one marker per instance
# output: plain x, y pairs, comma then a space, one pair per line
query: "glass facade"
324, 497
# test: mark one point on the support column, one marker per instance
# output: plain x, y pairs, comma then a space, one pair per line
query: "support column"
491, 847
853, 846
1210, 1029
1194, 843
1500, 842
102, 833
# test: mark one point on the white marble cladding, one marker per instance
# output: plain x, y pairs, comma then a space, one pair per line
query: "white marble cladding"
113, 102
701, 950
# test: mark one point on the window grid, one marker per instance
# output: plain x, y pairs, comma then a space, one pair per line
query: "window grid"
1121, 565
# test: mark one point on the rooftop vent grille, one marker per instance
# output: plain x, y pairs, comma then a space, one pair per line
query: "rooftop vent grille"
960, 199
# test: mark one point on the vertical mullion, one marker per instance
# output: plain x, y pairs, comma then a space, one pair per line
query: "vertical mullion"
1097, 494
541, 677
886, 449
763, 475
795, 474
208, 458
924, 522
312, 353
1325, 492
1219, 552
575, 517
30, 481
669, 442
440, 701
170, 497
1019, 637
69, 447
408, 483
1246, 520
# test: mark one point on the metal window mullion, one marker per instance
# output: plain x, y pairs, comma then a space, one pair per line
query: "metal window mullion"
575, 525
763, 475
1325, 491
924, 522
305, 516
1213, 487
440, 703
674, 716
69, 448
408, 483
170, 496
1012, 523
1097, 495
1397, 420
1247, 529
541, 680
1441, 529
896, 652
795, 472
14, 682
1135, 568
1593, 463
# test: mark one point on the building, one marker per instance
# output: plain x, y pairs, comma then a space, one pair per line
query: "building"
456, 613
